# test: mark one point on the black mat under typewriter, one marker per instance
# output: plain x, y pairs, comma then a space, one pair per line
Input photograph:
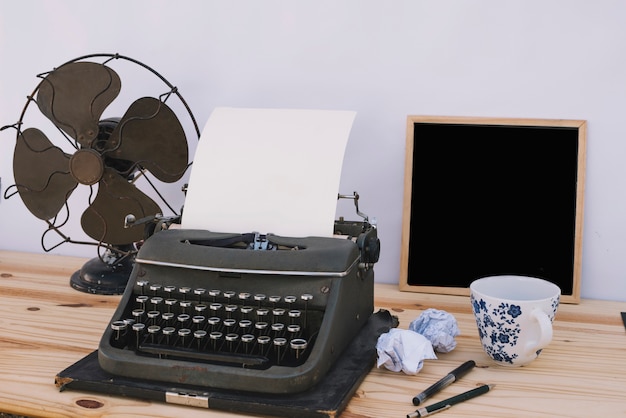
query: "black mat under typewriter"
250, 312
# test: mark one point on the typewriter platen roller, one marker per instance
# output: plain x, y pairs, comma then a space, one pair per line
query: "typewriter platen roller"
249, 312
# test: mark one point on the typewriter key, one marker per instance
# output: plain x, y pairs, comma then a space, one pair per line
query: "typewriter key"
138, 314
278, 343
183, 333
244, 296
293, 330
168, 332
167, 318
231, 338
183, 318
274, 299
199, 292
263, 342
197, 321
155, 288
169, 289
261, 313
229, 324
245, 310
118, 327
183, 291
153, 330
245, 325
298, 345
294, 316
261, 327
199, 335
215, 337
184, 304
277, 314
152, 316
259, 297
228, 294
247, 340
201, 307
142, 301
142, 285
290, 299
156, 301
170, 303
215, 307
306, 298
278, 329
138, 328
230, 309
214, 322
214, 293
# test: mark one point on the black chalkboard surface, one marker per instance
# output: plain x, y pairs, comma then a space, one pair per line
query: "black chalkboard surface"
490, 197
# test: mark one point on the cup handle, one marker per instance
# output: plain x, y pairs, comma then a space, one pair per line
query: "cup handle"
545, 329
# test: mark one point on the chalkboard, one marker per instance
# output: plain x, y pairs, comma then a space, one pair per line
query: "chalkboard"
485, 196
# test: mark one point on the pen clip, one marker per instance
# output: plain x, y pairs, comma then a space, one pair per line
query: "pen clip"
440, 409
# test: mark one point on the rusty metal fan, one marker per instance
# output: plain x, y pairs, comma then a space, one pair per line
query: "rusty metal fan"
107, 153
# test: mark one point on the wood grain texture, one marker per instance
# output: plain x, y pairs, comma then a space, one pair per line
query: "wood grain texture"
45, 326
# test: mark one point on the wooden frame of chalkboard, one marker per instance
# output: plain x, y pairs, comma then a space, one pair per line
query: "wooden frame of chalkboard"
492, 196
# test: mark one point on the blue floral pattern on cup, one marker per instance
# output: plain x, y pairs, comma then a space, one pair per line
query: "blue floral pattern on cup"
498, 325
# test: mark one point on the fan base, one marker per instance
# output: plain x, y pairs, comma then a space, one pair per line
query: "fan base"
103, 278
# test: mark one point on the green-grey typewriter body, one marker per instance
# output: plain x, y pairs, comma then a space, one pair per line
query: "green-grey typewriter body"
247, 312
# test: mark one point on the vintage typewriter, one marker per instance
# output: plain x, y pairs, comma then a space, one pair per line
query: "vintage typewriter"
246, 312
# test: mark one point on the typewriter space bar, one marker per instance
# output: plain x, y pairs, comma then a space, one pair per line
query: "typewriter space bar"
233, 359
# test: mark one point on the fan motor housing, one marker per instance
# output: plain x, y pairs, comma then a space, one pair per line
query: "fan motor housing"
86, 166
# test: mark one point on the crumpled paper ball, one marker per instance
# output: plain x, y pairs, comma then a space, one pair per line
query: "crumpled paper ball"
403, 350
439, 327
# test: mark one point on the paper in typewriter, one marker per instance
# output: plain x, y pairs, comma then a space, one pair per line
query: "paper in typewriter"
268, 171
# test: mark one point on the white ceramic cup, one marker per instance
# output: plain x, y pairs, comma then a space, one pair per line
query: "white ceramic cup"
514, 316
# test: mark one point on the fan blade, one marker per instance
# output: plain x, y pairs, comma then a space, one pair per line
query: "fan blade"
150, 134
74, 96
104, 219
41, 173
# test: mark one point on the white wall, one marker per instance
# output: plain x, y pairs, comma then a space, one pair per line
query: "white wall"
560, 59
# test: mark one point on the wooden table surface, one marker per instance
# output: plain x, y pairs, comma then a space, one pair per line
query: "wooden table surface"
45, 326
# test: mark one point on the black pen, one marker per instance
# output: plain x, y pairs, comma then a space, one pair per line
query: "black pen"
448, 379
440, 406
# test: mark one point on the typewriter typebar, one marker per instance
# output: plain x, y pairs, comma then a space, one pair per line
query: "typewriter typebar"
245, 312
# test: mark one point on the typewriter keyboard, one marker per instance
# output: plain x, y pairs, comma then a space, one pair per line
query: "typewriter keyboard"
227, 327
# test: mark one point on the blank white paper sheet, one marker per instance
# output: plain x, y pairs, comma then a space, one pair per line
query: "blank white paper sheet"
268, 171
